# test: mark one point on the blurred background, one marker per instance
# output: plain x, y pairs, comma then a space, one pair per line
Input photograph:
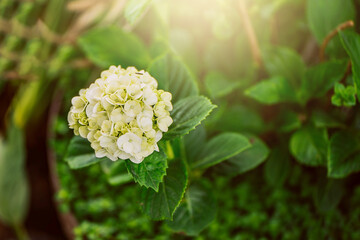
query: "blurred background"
49, 49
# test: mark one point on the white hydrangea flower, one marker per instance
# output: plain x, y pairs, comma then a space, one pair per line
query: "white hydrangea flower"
122, 114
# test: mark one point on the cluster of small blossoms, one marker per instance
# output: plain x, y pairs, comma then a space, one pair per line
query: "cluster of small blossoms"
122, 114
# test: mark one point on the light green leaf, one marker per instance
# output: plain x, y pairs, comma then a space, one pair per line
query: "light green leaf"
135, 9
14, 188
271, 91
112, 46
162, 204
187, 114
286, 63
320, 79
344, 154
218, 85
80, 154
323, 22
344, 96
196, 212
173, 76
309, 145
116, 171
351, 42
246, 160
151, 171
220, 148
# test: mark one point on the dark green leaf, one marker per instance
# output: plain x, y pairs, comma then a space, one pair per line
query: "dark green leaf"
196, 212
309, 145
273, 90
14, 188
246, 160
232, 119
173, 76
151, 171
112, 46
162, 204
187, 114
80, 154
320, 79
344, 96
288, 121
135, 9
344, 154
286, 63
220, 148
195, 138
328, 194
218, 85
277, 167
321, 119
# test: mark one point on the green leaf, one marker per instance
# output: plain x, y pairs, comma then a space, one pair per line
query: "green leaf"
187, 114
343, 96
173, 76
112, 46
246, 160
220, 148
288, 121
116, 171
286, 63
162, 204
218, 85
14, 188
195, 138
271, 91
232, 119
80, 154
344, 154
135, 9
309, 145
351, 42
320, 79
323, 22
151, 171
328, 194
321, 119
277, 167
196, 212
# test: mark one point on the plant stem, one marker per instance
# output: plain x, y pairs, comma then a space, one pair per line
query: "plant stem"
255, 50
332, 34
20, 232
183, 155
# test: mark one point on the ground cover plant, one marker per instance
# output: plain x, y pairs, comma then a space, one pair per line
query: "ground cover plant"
215, 119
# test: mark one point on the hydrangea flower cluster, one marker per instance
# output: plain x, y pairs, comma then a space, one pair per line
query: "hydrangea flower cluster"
122, 114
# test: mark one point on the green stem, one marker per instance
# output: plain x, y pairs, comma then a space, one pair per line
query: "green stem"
169, 151
21, 232
183, 156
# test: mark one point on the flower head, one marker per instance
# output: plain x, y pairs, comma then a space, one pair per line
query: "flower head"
122, 114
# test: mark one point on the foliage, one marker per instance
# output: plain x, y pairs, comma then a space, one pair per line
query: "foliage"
275, 113
250, 95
